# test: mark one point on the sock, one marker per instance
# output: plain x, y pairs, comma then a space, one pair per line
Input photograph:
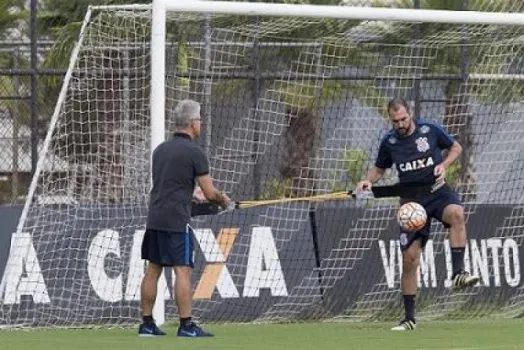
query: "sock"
148, 319
185, 321
409, 307
457, 259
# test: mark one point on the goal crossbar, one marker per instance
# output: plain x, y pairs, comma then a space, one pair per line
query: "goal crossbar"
342, 12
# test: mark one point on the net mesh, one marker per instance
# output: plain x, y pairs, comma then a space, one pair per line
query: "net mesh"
291, 107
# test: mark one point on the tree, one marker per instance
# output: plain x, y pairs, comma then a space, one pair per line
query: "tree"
12, 27
12, 13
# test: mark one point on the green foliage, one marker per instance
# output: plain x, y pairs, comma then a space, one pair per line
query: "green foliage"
58, 13
11, 12
354, 168
12, 16
59, 56
62, 20
355, 161
276, 189
453, 173
298, 94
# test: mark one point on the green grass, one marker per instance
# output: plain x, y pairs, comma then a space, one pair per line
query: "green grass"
454, 335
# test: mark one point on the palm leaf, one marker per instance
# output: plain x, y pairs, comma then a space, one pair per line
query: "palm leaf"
60, 53
11, 13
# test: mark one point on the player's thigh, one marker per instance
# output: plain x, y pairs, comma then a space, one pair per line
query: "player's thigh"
446, 207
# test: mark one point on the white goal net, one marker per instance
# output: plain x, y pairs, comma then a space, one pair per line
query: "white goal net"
292, 105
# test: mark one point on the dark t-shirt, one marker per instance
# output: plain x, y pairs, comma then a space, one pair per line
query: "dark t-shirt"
176, 164
415, 156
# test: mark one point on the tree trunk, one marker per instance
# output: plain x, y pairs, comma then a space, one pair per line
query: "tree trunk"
457, 120
300, 141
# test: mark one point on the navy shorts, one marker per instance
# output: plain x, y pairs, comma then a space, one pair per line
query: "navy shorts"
434, 203
168, 248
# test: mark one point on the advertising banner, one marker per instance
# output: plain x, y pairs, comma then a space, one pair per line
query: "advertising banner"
83, 266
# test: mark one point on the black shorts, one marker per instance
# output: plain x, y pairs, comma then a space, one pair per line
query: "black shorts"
168, 248
434, 203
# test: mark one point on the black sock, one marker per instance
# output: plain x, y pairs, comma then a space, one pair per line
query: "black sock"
409, 307
457, 259
185, 321
148, 319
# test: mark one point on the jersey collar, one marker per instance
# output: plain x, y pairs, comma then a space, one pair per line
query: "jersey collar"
182, 134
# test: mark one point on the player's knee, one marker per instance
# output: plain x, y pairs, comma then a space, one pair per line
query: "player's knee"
410, 261
455, 215
183, 272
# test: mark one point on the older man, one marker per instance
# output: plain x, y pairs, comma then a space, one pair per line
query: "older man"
178, 164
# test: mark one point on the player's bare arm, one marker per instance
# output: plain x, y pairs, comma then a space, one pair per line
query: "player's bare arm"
374, 174
453, 153
211, 193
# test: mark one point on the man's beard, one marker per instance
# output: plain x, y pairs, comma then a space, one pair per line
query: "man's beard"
403, 131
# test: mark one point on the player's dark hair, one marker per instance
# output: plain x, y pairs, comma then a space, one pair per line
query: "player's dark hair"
396, 103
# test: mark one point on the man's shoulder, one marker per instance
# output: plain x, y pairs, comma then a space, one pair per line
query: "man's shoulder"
196, 149
389, 137
192, 150
426, 125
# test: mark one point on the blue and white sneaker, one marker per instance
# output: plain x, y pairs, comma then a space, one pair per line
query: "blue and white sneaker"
150, 330
193, 331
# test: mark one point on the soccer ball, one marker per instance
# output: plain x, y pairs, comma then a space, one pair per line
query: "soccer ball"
412, 217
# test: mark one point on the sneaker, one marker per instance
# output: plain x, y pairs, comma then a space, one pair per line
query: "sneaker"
150, 330
463, 280
405, 325
193, 331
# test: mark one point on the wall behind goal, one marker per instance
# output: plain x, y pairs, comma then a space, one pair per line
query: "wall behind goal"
253, 276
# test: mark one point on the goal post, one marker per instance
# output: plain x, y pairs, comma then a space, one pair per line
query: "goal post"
295, 96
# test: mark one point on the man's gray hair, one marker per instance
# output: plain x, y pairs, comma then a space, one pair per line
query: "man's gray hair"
185, 111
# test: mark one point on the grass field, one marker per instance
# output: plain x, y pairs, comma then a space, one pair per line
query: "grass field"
456, 335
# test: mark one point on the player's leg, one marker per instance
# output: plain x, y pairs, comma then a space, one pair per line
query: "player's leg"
148, 288
447, 208
183, 293
453, 216
182, 261
411, 245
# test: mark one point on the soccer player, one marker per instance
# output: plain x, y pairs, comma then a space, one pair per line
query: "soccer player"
415, 147
177, 165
